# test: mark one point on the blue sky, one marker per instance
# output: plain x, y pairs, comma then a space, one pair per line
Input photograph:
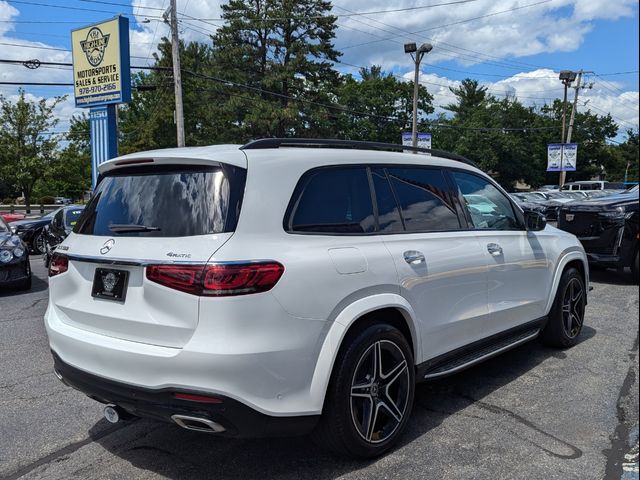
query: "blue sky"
517, 53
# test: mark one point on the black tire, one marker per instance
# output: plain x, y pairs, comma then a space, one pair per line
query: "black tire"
38, 244
635, 267
353, 399
566, 317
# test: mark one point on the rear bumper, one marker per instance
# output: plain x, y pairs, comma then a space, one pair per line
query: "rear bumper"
238, 419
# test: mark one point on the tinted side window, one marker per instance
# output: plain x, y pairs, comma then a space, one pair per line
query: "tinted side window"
388, 215
334, 200
424, 198
488, 207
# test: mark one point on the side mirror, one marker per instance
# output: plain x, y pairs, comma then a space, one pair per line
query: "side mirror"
536, 221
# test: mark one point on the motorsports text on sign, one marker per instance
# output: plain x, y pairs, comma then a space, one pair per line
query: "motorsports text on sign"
101, 73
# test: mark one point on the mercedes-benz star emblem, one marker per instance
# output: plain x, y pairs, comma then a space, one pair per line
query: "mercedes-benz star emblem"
107, 246
109, 281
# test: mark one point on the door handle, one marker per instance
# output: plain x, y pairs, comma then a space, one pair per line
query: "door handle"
413, 257
494, 249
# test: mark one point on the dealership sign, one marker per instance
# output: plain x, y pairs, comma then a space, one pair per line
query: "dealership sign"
424, 140
562, 157
101, 73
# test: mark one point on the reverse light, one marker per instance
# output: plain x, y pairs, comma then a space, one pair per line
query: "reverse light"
59, 264
219, 280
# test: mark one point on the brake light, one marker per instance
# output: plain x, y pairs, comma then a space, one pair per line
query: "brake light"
219, 280
59, 264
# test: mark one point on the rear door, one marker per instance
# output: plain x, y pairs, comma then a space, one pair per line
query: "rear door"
441, 268
171, 214
519, 271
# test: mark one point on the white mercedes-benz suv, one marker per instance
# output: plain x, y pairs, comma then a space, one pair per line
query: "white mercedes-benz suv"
290, 286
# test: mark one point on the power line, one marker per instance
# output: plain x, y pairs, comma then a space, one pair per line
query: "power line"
456, 23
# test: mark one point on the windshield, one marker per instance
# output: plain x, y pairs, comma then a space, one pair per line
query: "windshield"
167, 201
51, 214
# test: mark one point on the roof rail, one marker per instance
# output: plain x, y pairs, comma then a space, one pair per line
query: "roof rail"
265, 143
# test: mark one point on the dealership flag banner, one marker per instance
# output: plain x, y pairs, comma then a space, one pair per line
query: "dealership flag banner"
570, 157
562, 157
424, 140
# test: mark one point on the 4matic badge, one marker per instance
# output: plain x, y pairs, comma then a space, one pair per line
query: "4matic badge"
94, 46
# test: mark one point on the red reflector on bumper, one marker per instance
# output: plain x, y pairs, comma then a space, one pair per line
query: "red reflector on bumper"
197, 398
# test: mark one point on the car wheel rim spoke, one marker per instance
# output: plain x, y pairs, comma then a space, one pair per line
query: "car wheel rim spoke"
573, 308
379, 391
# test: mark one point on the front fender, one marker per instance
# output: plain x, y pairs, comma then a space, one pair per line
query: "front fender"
568, 255
339, 328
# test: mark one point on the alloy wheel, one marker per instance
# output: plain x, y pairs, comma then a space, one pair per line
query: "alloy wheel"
573, 308
39, 244
380, 391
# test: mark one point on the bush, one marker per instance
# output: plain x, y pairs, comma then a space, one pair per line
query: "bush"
7, 201
47, 200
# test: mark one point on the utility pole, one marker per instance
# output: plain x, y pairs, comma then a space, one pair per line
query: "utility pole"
563, 174
177, 75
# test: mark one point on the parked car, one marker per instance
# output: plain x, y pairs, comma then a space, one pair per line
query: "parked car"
279, 288
62, 200
592, 185
607, 228
12, 217
59, 228
32, 231
529, 203
15, 270
549, 187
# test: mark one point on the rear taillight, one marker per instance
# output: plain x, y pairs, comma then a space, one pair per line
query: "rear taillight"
59, 264
219, 280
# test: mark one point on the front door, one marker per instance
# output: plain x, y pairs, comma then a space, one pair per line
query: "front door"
440, 265
518, 268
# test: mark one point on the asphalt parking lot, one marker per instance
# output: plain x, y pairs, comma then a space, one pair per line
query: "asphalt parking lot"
531, 413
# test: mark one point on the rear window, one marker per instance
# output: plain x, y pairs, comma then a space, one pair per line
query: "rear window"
333, 200
167, 201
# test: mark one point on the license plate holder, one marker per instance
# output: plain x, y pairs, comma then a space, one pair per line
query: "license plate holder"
110, 284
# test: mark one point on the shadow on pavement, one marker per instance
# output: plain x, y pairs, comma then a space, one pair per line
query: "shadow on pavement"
174, 453
611, 276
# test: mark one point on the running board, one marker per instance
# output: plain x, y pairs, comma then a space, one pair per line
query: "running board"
477, 352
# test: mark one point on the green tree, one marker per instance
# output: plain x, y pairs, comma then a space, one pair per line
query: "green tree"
470, 96
26, 146
384, 106
70, 174
282, 50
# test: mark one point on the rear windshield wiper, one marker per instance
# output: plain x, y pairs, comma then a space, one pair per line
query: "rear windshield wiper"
132, 228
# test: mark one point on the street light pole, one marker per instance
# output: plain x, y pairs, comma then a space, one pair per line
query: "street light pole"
566, 77
416, 56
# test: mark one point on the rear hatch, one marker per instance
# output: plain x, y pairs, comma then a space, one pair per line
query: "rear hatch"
140, 216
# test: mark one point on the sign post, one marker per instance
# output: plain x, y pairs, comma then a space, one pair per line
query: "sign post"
102, 79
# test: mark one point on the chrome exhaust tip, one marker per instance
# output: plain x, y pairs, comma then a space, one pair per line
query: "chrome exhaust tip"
111, 413
197, 424
59, 377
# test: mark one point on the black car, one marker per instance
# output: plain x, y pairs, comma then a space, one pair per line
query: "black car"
31, 231
607, 228
60, 227
15, 270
